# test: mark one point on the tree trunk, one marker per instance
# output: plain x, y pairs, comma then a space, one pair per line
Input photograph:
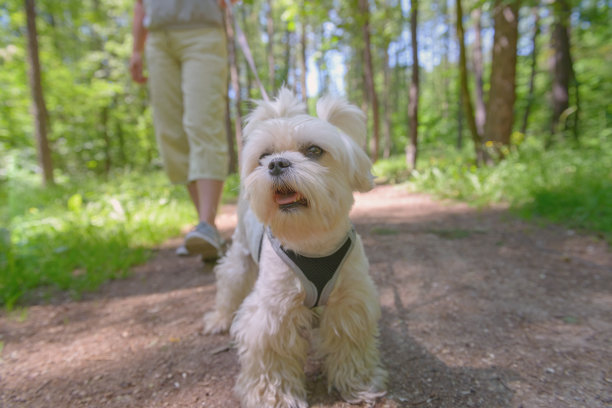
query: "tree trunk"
106, 138
478, 64
322, 64
399, 78
502, 92
287, 56
364, 8
386, 109
235, 81
445, 63
118, 133
413, 104
460, 120
229, 138
534, 55
292, 71
121, 140
39, 109
303, 89
465, 92
270, 48
561, 65
247, 71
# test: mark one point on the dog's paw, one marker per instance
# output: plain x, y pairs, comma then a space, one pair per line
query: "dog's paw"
215, 323
277, 401
270, 389
356, 397
366, 393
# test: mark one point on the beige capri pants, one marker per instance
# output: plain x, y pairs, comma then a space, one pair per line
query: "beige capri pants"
188, 86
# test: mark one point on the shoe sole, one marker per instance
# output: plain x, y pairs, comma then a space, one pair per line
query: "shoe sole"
198, 245
182, 251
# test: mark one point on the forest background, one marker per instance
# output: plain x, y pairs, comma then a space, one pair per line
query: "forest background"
483, 101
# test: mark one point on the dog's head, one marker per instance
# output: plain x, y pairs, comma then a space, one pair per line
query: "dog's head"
300, 171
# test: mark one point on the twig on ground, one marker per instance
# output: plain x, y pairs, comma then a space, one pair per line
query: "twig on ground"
222, 349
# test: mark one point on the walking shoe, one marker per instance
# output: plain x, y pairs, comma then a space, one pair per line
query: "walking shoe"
205, 240
182, 251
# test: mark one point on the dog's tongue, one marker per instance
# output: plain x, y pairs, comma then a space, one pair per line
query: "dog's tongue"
288, 198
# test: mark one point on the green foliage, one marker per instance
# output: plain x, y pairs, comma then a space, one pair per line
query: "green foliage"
391, 170
564, 185
97, 117
576, 189
80, 233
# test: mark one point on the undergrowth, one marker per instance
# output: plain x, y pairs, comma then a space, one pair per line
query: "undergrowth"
566, 185
78, 234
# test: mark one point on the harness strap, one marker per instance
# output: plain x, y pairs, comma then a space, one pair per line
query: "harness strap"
318, 275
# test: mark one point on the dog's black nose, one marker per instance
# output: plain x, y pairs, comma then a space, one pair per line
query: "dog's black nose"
278, 165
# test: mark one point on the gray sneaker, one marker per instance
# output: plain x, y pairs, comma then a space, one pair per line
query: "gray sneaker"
182, 251
205, 240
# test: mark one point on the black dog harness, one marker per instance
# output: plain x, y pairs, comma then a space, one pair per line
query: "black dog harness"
317, 274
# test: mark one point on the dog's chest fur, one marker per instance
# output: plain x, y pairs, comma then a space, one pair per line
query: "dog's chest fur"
316, 275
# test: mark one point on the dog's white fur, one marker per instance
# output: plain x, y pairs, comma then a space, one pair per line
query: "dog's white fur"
265, 301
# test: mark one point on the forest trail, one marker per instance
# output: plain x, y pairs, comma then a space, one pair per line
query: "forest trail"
480, 309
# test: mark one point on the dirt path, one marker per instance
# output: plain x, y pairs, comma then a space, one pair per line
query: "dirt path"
479, 310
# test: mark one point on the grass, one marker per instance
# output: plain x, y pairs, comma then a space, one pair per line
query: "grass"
80, 233
565, 185
76, 235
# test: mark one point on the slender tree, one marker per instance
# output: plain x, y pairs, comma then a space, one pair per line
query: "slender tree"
303, 67
229, 136
446, 40
502, 91
465, 91
247, 72
39, 108
460, 118
533, 67
561, 65
287, 56
235, 82
103, 125
270, 48
321, 61
364, 9
294, 61
478, 70
413, 105
385, 102
389, 100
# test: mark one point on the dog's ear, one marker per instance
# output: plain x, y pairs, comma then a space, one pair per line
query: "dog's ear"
352, 122
360, 165
345, 116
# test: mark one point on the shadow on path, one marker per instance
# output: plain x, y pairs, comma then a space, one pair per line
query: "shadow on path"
479, 310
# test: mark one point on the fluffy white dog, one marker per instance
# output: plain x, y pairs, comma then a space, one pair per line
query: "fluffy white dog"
295, 259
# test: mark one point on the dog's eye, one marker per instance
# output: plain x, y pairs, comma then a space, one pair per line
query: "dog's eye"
314, 151
262, 156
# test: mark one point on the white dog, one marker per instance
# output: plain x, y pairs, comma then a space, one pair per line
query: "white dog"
295, 258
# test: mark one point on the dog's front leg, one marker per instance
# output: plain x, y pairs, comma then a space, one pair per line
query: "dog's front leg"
272, 351
235, 275
349, 342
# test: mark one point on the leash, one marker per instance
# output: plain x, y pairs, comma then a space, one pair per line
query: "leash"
246, 50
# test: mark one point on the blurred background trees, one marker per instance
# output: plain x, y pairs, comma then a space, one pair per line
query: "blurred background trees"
96, 118
531, 69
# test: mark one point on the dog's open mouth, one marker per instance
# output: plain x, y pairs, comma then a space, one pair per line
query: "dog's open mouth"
287, 198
